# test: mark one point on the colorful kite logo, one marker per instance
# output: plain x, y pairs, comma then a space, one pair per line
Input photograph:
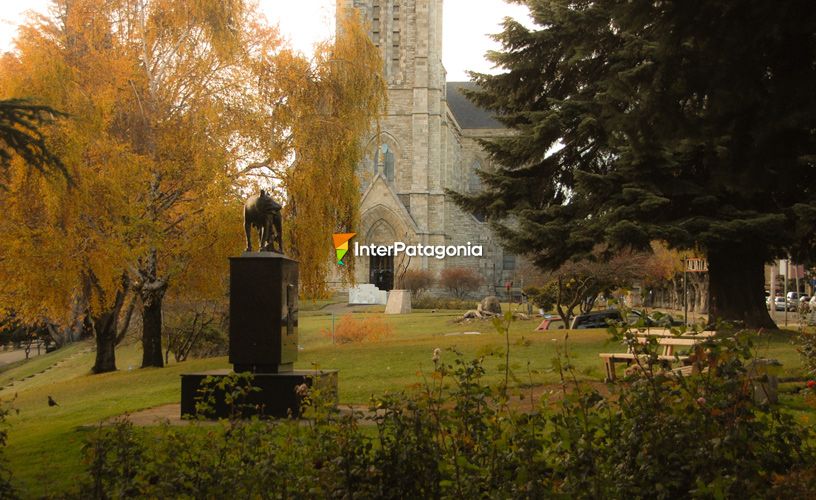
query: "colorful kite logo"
341, 245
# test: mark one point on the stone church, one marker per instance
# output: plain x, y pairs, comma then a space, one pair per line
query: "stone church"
428, 143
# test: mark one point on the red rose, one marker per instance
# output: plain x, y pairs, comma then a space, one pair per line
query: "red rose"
811, 384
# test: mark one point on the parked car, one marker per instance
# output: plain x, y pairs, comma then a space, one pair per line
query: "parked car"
601, 319
780, 304
596, 319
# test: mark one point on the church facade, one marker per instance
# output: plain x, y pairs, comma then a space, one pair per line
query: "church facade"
428, 142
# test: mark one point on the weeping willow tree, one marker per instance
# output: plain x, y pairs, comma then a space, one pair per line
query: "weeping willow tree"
169, 106
336, 108
163, 101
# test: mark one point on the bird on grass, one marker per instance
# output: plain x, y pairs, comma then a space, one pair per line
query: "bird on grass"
51, 401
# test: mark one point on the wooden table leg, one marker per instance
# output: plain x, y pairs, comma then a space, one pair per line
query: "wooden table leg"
610, 370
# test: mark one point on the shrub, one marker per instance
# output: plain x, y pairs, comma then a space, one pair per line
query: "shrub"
417, 280
460, 281
807, 350
426, 302
198, 331
231, 391
234, 459
351, 330
543, 297
654, 435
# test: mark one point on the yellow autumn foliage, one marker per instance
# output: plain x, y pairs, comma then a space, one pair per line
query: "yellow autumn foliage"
169, 106
150, 168
333, 113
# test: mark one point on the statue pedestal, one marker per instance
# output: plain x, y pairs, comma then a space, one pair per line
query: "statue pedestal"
277, 397
263, 312
263, 339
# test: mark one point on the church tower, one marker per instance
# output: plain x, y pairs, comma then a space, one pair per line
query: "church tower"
407, 157
429, 142
409, 35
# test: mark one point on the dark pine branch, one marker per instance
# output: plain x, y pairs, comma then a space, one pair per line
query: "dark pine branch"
21, 124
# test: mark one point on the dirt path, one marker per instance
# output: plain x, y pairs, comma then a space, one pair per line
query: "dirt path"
50, 367
522, 400
7, 357
343, 308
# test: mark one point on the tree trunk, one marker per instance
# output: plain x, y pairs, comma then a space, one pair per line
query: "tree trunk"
106, 326
151, 290
105, 329
673, 298
677, 283
565, 314
736, 284
105, 345
704, 293
694, 291
151, 333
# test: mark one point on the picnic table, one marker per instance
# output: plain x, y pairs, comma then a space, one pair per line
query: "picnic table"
665, 338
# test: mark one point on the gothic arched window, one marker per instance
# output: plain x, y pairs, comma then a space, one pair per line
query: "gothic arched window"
384, 162
388, 162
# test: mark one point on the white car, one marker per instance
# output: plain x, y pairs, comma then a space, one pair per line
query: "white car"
780, 302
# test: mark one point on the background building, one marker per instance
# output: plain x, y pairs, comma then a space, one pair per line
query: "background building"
428, 143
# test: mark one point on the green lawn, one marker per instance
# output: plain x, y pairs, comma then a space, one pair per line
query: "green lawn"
45, 442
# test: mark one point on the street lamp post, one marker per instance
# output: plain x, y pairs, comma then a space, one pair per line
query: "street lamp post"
685, 292
786, 291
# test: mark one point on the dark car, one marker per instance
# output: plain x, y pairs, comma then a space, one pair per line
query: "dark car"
602, 319
596, 319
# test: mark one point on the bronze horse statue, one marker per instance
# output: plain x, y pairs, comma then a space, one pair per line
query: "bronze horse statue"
263, 213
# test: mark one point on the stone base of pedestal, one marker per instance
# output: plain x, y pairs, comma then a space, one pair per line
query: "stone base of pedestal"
399, 302
277, 397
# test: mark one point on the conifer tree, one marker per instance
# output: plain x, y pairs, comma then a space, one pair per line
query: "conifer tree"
687, 122
21, 122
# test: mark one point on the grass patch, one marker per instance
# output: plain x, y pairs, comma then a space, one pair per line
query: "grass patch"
45, 442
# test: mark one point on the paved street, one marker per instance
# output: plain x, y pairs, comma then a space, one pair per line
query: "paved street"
793, 319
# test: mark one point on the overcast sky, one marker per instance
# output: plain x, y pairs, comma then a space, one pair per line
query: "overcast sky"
467, 24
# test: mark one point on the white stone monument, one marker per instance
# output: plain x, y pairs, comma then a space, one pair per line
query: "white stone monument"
366, 293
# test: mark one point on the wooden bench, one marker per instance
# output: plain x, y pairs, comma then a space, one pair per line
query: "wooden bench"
665, 332
664, 338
